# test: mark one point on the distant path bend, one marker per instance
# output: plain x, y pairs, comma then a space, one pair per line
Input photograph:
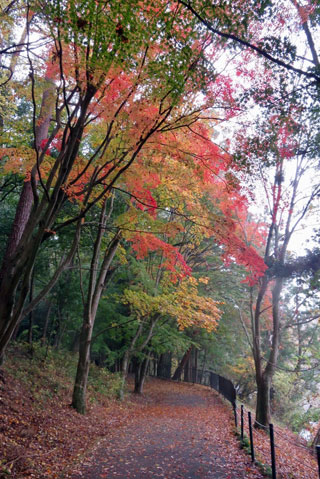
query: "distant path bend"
176, 431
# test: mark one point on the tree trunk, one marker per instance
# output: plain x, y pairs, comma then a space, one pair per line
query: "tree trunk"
80, 386
263, 411
183, 362
26, 197
264, 378
75, 342
46, 324
140, 375
195, 367
133, 348
164, 366
35, 225
203, 366
186, 372
30, 338
95, 288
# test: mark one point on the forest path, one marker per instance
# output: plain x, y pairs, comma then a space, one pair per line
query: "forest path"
175, 431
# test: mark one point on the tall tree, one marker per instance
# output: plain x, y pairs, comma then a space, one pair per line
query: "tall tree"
101, 59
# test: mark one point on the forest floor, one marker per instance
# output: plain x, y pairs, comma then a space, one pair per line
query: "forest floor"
173, 431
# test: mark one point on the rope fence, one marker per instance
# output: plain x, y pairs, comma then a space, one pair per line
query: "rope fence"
258, 449
257, 445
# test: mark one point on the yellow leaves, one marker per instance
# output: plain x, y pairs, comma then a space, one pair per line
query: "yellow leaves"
195, 310
122, 255
142, 303
184, 304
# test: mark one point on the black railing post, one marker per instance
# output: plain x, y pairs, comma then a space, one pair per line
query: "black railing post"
273, 455
251, 436
241, 422
235, 415
318, 457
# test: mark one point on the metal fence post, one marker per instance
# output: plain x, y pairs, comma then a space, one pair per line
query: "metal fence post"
251, 436
241, 422
235, 415
273, 455
318, 457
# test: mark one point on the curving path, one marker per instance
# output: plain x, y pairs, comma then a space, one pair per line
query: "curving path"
174, 431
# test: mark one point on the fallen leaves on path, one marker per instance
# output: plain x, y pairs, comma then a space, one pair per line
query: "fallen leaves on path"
178, 431
173, 431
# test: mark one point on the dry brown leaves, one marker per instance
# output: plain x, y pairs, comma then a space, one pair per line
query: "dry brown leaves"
294, 460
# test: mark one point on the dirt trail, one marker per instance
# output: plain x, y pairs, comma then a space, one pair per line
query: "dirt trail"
176, 431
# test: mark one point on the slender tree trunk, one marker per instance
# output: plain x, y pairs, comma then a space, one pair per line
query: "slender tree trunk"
195, 367
160, 366
46, 323
125, 365
203, 365
128, 354
95, 288
186, 371
30, 338
80, 386
58, 327
140, 375
183, 362
75, 342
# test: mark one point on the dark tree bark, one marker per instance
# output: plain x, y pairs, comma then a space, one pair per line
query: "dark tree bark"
96, 285
140, 375
27, 194
30, 231
133, 348
164, 366
183, 362
195, 367
46, 324
30, 338
186, 371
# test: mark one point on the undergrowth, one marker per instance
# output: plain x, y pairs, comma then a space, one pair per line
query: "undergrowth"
48, 372
41, 436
